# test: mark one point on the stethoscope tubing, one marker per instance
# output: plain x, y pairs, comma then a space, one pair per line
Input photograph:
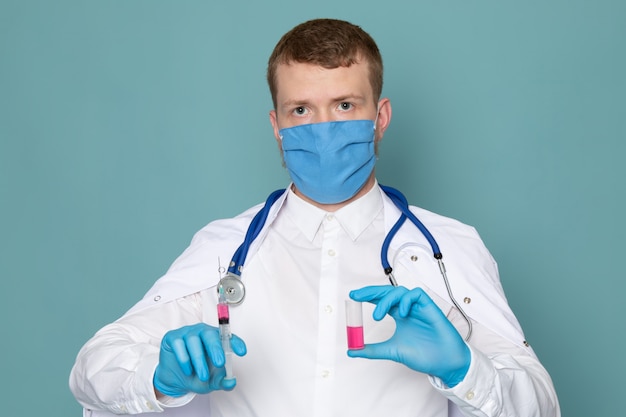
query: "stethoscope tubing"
258, 221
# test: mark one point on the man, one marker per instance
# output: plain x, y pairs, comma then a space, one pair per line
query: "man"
320, 244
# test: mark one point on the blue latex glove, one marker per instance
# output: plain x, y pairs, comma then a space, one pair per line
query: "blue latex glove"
424, 339
192, 360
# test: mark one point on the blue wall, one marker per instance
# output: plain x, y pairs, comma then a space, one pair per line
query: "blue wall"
125, 126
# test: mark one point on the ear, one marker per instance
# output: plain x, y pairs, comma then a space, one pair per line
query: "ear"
274, 122
384, 118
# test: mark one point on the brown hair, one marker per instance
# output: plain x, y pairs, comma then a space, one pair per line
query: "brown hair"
329, 43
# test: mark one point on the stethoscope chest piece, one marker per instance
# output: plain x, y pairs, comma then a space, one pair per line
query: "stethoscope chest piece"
234, 290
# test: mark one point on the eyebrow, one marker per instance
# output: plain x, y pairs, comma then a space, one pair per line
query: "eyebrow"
350, 97
291, 103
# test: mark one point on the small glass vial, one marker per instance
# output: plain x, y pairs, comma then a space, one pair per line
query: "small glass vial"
354, 324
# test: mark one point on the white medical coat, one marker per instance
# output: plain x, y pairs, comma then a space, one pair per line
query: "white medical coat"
472, 273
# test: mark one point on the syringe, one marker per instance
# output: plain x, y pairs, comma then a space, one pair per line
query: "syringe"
223, 318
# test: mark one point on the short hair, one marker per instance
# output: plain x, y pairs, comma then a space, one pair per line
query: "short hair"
329, 43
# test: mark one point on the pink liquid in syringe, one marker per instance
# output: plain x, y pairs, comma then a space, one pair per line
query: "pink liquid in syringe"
222, 313
355, 337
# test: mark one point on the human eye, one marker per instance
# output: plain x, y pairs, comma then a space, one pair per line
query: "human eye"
300, 111
345, 106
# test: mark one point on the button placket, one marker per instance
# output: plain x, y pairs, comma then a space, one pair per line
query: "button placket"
327, 307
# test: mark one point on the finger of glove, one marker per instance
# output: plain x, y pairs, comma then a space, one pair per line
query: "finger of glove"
416, 299
373, 351
418, 303
371, 293
218, 380
213, 346
238, 346
388, 304
179, 349
195, 347
229, 384
385, 297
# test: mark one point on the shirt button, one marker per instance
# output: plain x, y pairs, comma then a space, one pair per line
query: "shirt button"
328, 309
331, 252
469, 395
330, 217
325, 373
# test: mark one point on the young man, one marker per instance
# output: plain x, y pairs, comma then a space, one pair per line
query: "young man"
320, 244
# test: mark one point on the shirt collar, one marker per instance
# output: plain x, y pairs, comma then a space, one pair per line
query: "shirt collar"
354, 217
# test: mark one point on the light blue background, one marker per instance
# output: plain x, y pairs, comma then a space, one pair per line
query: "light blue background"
125, 126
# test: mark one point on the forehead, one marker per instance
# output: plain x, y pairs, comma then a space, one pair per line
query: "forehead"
303, 81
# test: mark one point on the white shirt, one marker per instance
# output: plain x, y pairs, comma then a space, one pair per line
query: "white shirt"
293, 323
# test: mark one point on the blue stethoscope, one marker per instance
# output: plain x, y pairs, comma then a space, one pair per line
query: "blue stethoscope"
234, 289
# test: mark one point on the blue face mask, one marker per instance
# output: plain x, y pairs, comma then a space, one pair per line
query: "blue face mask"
329, 162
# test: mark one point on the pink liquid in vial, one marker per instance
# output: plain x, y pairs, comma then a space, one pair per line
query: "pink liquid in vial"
355, 337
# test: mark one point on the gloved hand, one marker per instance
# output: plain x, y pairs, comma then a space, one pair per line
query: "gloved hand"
192, 360
424, 339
